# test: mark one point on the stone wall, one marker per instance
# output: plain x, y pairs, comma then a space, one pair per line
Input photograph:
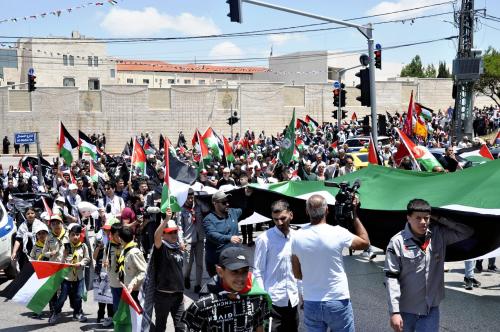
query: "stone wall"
121, 111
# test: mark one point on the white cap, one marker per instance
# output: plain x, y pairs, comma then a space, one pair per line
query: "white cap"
45, 216
60, 199
41, 227
72, 186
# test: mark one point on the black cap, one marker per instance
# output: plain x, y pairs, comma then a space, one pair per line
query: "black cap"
234, 258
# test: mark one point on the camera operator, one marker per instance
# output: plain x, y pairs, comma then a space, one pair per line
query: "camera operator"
317, 261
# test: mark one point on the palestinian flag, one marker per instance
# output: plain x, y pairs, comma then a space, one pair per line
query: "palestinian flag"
86, 145
253, 288
95, 173
311, 123
200, 146
419, 153
300, 124
228, 152
148, 148
471, 198
66, 144
335, 145
476, 155
174, 191
288, 144
36, 284
299, 143
373, 156
212, 142
128, 318
296, 155
424, 112
139, 157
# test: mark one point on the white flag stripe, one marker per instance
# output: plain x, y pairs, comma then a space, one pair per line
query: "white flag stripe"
29, 289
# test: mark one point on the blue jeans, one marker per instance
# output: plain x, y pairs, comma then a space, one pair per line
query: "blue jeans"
469, 268
116, 293
421, 323
336, 315
73, 289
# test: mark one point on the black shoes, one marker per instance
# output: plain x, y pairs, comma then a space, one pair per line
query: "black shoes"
479, 267
470, 283
492, 268
187, 283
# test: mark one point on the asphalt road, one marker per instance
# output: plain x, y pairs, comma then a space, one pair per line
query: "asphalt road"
461, 310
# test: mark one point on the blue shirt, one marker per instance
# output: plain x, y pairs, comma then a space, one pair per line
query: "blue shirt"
219, 230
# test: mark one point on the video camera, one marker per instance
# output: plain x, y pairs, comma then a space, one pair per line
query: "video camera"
343, 208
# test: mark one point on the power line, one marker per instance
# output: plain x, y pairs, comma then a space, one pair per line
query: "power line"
228, 35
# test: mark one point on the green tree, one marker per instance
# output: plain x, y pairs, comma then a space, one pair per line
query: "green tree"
443, 71
430, 71
489, 83
414, 68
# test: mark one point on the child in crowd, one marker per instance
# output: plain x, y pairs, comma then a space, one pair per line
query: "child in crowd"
76, 253
41, 233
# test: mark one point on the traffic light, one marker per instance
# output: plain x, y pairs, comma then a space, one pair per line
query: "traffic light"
234, 10
233, 119
378, 59
335, 114
336, 97
342, 97
364, 86
344, 114
31, 83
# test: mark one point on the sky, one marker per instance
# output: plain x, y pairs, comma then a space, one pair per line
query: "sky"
188, 18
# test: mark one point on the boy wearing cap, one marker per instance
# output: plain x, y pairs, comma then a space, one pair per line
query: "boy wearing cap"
73, 285
168, 259
41, 233
233, 300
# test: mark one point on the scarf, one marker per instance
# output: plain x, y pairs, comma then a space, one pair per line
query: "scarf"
121, 260
169, 245
39, 244
74, 256
60, 235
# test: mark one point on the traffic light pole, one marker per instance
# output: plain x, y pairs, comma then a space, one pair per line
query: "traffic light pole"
366, 30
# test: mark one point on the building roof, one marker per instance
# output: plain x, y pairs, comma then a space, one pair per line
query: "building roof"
161, 66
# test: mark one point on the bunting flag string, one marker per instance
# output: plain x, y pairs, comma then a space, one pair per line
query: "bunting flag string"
58, 12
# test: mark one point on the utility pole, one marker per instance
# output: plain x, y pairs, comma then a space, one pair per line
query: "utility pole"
365, 30
467, 67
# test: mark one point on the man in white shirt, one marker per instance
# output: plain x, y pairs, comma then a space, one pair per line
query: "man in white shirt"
112, 203
317, 261
273, 269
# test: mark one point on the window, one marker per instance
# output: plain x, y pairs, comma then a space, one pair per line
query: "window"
145, 81
12, 84
219, 81
187, 81
68, 81
89, 59
65, 60
96, 61
93, 84
201, 82
112, 73
71, 60
130, 81
171, 81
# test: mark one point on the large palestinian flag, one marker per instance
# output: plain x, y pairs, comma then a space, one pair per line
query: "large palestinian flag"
128, 318
36, 284
469, 196
86, 145
66, 144
477, 155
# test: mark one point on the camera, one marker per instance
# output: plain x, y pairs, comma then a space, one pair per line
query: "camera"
343, 208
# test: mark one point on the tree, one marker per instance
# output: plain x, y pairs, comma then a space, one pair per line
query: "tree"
489, 82
430, 71
414, 68
443, 71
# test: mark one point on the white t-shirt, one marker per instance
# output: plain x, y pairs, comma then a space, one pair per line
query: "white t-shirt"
319, 250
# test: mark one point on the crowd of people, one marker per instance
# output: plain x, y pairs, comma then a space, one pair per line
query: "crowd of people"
128, 242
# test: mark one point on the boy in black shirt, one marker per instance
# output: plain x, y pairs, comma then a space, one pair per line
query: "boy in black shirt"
168, 259
235, 302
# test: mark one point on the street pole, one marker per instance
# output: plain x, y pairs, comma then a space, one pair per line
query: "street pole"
373, 90
339, 109
366, 31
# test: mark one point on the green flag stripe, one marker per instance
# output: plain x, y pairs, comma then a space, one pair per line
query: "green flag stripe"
86, 149
48, 289
122, 319
67, 156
